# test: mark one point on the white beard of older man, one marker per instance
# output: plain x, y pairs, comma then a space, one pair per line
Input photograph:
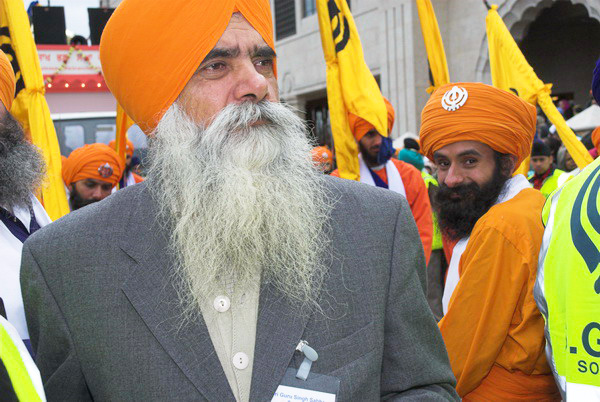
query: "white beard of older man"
208, 280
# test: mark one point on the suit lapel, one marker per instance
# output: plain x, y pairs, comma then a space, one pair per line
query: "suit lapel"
279, 329
151, 291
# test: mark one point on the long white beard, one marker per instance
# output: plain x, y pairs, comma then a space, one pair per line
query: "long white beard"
242, 201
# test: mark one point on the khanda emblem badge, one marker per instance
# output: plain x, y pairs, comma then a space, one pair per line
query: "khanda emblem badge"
581, 239
454, 98
336, 13
105, 170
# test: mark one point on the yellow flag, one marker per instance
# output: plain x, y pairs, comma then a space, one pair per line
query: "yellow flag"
511, 72
123, 124
30, 107
350, 85
433, 44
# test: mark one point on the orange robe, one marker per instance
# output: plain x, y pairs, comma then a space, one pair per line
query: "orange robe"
417, 197
494, 332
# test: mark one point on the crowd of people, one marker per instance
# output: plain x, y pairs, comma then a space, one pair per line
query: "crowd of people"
237, 270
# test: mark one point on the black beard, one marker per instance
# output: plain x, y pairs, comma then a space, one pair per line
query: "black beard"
77, 201
369, 160
457, 217
22, 167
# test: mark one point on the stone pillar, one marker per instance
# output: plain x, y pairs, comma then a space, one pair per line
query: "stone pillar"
398, 72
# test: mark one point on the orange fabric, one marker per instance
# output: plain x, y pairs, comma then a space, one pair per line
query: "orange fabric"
502, 385
129, 148
137, 178
360, 126
7, 81
90, 162
490, 115
418, 200
322, 155
150, 49
492, 318
596, 138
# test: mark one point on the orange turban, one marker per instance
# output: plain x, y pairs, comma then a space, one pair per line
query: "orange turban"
322, 155
360, 126
596, 138
150, 49
497, 118
7, 81
95, 161
129, 148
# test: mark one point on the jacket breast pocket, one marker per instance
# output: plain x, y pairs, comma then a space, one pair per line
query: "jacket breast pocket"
343, 352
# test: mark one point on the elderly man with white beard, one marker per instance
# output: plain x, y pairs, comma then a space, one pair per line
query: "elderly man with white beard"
236, 271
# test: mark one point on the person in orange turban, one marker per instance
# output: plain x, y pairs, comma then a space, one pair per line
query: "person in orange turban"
7, 81
207, 274
323, 158
129, 178
378, 168
90, 173
477, 135
147, 76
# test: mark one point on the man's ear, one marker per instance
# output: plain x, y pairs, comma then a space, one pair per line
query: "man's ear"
70, 186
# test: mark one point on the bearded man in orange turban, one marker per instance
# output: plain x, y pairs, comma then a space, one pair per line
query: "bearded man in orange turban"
477, 135
129, 177
378, 168
90, 173
236, 259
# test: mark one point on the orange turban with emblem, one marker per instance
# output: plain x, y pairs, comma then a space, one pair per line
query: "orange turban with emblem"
150, 49
360, 126
7, 81
95, 161
472, 111
596, 138
129, 148
321, 155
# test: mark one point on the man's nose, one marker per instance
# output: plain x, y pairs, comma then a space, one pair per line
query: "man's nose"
251, 85
97, 193
454, 177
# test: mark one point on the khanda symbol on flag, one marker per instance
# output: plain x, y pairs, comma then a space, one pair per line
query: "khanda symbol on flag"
335, 12
581, 239
6, 47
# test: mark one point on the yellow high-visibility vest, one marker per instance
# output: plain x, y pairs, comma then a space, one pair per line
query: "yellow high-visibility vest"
567, 290
437, 235
13, 360
552, 182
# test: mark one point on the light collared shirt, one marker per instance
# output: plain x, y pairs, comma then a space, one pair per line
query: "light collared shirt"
231, 315
10, 264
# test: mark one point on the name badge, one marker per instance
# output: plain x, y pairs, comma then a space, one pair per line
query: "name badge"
316, 388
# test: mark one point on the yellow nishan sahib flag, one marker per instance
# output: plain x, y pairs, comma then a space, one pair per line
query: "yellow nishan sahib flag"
30, 107
511, 72
350, 85
433, 44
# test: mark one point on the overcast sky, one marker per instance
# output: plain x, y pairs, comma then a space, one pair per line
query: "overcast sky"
76, 14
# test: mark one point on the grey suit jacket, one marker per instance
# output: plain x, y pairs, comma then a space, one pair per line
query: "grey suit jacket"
104, 319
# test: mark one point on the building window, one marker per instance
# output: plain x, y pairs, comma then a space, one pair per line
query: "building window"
309, 7
285, 18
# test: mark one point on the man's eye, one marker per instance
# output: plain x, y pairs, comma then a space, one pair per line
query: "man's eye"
442, 165
214, 67
265, 62
470, 161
